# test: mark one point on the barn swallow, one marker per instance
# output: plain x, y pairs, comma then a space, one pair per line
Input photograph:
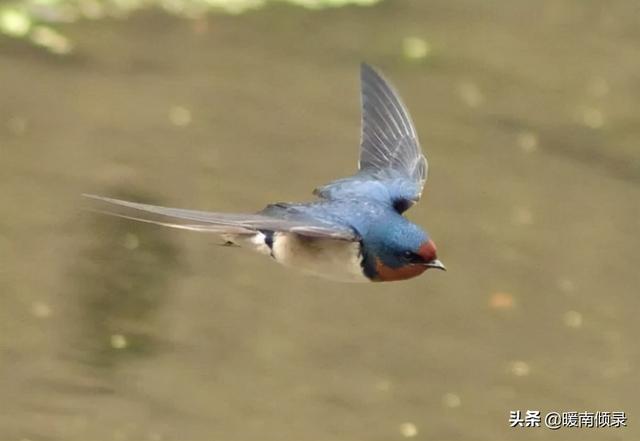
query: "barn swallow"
355, 230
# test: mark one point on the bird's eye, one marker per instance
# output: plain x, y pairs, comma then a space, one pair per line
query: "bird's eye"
411, 256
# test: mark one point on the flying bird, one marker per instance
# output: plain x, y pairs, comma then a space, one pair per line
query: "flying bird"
355, 230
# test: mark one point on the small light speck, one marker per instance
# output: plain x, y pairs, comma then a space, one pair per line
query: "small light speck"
14, 23
591, 117
40, 309
91, 9
566, 285
118, 341
180, 116
528, 142
131, 241
52, 40
470, 94
451, 400
522, 216
17, 125
200, 26
415, 48
383, 385
501, 301
408, 430
155, 436
519, 368
119, 435
572, 319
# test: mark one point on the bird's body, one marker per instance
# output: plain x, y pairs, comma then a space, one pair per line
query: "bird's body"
355, 231
340, 260
335, 259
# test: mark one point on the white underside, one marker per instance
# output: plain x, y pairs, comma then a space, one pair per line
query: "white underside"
329, 258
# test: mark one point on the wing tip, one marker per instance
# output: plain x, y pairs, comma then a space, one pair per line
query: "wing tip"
367, 70
364, 66
96, 197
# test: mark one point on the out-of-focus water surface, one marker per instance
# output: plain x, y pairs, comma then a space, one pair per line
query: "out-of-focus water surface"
112, 330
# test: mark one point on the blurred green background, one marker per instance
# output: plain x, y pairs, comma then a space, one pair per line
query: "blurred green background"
112, 330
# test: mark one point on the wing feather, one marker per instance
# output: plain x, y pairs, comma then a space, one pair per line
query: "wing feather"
389, 142
220, 223
392, 167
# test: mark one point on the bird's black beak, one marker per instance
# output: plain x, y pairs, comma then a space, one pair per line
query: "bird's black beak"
436, 264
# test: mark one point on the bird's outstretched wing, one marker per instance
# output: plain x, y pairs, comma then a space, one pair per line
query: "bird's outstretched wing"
389, 149
221, 223
389, 142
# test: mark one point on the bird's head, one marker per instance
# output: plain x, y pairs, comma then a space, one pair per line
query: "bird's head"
398, 250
